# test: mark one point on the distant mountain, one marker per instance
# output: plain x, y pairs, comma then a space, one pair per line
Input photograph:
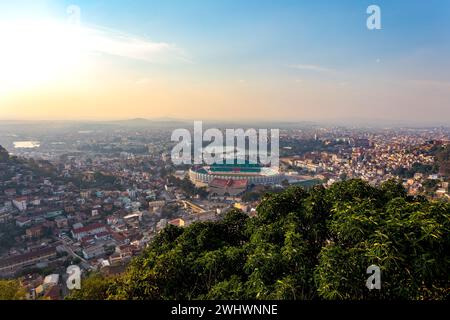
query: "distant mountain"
142, 122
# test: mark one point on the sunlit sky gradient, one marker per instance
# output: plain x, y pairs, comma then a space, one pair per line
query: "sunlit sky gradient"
232, 60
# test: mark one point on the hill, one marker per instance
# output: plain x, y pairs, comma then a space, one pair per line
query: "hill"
443, 160
314, 244
39, 168
4, 155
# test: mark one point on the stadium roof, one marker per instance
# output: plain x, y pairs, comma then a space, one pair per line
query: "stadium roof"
228, 183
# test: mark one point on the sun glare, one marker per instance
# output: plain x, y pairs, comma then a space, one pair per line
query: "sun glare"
34, 53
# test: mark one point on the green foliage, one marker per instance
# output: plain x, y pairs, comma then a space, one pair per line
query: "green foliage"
409, 241
188, 187
258, 193
8, 234
424, 169
442, 156
250, 196
304, 244
94, 287
100, 180
430, 185
11, 290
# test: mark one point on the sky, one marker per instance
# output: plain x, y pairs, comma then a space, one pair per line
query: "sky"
225, 60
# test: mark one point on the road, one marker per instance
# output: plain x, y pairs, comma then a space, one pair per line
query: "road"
69, 250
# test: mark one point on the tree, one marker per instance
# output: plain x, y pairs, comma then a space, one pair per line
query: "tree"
4, 155
303, 244
93, 287
407, 240
11, 290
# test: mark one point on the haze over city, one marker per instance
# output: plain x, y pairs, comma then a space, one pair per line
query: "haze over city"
207, 159
227, 60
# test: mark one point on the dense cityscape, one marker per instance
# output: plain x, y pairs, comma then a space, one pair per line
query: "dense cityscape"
207, 159
96, 194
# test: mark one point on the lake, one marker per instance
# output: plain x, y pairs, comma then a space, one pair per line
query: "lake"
26, 144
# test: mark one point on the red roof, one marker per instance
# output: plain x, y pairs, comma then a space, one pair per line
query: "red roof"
219, 183
175, 222
41, 252
54, 293
230, 183
23, 219
240, 183
89, 228
103, 234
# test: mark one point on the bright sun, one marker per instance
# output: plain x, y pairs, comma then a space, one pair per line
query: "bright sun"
37, 52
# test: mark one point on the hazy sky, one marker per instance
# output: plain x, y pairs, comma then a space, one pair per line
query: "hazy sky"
233, 60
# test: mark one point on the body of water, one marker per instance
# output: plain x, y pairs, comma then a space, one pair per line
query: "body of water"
26, 144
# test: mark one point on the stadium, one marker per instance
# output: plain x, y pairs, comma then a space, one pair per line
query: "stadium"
233, 178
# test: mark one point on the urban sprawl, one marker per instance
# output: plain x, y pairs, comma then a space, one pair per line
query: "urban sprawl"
96, 196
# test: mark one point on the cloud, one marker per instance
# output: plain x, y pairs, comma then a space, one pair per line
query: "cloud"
54, 38
310, 67
116, 43
36, 52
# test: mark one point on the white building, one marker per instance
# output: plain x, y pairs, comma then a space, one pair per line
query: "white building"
93, 251
51, 280
90, 230
20, 204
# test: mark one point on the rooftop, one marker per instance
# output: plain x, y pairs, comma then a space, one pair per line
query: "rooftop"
228, 183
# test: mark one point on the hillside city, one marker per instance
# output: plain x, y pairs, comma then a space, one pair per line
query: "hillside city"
97, 196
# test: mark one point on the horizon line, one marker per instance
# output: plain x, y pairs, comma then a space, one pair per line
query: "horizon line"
347, 122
